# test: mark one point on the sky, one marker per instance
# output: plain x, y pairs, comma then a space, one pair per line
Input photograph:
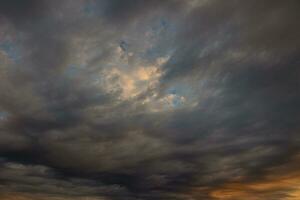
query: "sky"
149, 100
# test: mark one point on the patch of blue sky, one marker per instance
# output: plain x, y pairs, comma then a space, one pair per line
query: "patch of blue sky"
162, 32
73, 70
11, 50
165, 27
181, 90
159, 25
3, 115
124, 45
89, 8
177, 101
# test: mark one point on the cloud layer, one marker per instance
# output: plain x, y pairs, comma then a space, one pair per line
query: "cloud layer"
140, 100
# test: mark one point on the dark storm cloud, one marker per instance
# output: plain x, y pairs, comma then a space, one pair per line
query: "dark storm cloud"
121, 12
221, 107
21, 11
219, 28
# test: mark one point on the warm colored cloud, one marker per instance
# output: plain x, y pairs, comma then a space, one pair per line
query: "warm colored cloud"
286, 188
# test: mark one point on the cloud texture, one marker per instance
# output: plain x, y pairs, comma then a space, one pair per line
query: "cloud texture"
143, 100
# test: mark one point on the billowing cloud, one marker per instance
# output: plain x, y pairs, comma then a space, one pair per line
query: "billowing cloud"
134, 99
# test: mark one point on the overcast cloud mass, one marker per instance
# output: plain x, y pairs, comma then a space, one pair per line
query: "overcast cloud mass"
149, 100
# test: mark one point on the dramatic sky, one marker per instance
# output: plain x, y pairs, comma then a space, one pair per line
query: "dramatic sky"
149, 100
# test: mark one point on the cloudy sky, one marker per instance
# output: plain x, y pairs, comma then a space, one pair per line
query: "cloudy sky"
149, 100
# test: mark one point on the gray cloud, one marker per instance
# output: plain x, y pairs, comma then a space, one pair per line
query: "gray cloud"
148, 99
